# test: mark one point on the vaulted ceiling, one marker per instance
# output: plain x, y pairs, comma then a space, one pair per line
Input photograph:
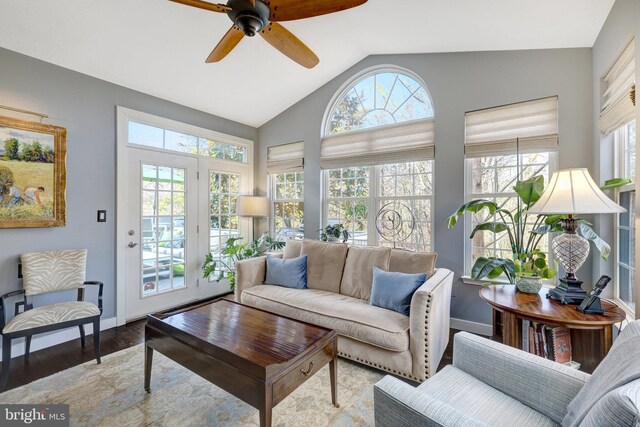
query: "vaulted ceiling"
159, 47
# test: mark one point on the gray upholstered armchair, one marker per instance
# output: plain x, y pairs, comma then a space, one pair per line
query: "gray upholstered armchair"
45, 272
490, 384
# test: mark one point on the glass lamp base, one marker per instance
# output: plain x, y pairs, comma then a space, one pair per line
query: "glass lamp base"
569, 291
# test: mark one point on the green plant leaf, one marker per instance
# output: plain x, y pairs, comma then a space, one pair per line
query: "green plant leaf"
540, 263
530, 190
610, 184
494, 227
473, 206
484, 266
602, 246
548, 273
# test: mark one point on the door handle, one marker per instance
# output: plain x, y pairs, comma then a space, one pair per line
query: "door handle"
132, 245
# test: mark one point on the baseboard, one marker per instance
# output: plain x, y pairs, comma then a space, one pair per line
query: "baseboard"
38, 342
473, 327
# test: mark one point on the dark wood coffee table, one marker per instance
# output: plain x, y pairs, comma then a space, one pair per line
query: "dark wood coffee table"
257, 356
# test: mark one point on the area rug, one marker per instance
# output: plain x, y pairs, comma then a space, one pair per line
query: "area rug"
112, 394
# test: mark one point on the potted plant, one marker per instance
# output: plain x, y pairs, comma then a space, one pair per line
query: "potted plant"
332, 233
527, 259
235, 251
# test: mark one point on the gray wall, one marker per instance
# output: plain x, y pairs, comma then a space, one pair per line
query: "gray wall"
87, 108
621, 25
458, 82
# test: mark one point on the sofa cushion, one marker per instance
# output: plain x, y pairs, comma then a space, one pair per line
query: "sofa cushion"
393, 290
291, 273
51, 314
481, 401
292, 249
348, 316
412, 262
325, 262
358, 270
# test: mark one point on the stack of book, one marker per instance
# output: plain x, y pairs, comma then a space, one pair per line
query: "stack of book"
551, 342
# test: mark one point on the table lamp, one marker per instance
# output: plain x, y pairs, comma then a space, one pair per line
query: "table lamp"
253, 207
572, 192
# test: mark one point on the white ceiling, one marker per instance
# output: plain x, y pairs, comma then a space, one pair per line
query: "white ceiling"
159, 47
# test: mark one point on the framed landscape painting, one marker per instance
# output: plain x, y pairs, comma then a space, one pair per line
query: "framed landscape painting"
32, 174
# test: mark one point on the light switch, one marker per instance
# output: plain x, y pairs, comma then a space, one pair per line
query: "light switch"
102, 216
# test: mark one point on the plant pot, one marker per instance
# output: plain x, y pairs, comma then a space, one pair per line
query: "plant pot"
529, 285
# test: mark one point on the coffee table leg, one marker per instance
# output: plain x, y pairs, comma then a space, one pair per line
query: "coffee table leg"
148, 359
266, 410
333, 373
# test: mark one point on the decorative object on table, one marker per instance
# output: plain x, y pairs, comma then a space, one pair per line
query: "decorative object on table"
32, 174
526, 257
572, 191
529, 284
591, 304
395, 222
333, 233
234, 251
253, 207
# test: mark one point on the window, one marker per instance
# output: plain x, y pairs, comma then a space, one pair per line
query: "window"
151, 136
377, 155
287, 191
493, 178
503, 145
625, 139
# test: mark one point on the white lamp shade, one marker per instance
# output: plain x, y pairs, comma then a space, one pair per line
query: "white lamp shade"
573, 191
252, 206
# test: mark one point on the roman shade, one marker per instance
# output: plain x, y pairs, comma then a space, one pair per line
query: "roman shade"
285, 158
619, 97
524, 127
406, 142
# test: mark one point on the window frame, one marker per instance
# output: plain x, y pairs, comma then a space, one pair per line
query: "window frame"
620, 139
373, 199
271, 178
468, 221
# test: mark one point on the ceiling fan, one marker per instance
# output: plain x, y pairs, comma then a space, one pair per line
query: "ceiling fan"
251, 17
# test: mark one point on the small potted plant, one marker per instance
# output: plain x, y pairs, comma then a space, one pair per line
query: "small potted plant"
332, 233
530, 270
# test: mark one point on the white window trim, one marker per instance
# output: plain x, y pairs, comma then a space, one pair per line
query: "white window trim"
373, 239
620, 167
272, 196
468, 184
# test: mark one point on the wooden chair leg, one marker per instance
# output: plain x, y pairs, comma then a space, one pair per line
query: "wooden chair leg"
96, 338
6, 362
82, 335
27, 348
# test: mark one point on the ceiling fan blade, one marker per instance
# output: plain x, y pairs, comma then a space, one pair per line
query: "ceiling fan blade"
282, 39
253, 3
226, 45
201, 4
289, 10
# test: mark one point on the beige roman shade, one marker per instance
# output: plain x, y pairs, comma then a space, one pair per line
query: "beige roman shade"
404, 142
525, 127
619, 96
285, 158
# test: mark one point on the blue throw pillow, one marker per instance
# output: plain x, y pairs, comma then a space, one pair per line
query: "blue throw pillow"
393, 291
290, 273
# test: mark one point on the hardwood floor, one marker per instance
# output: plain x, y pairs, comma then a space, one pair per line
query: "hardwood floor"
49, 361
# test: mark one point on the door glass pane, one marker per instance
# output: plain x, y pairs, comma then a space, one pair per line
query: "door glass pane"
223, 224
163, 229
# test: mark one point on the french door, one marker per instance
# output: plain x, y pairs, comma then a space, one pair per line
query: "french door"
162, 224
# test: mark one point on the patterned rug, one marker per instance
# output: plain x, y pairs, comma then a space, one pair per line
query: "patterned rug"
112, 394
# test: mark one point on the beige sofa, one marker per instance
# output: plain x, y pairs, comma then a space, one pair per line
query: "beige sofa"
339, 280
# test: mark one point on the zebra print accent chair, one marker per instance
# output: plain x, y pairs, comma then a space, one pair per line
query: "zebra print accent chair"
46, 272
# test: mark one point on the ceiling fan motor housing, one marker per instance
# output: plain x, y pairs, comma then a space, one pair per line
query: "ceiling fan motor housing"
248, 18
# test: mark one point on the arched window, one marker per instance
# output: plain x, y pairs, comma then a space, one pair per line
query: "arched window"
379, 98
377, 155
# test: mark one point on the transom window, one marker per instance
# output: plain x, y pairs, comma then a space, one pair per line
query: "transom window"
152, 136
379, 99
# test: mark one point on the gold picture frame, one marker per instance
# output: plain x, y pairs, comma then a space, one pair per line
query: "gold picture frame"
33, 175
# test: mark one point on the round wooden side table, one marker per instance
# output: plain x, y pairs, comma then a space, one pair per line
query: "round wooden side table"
591, 334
